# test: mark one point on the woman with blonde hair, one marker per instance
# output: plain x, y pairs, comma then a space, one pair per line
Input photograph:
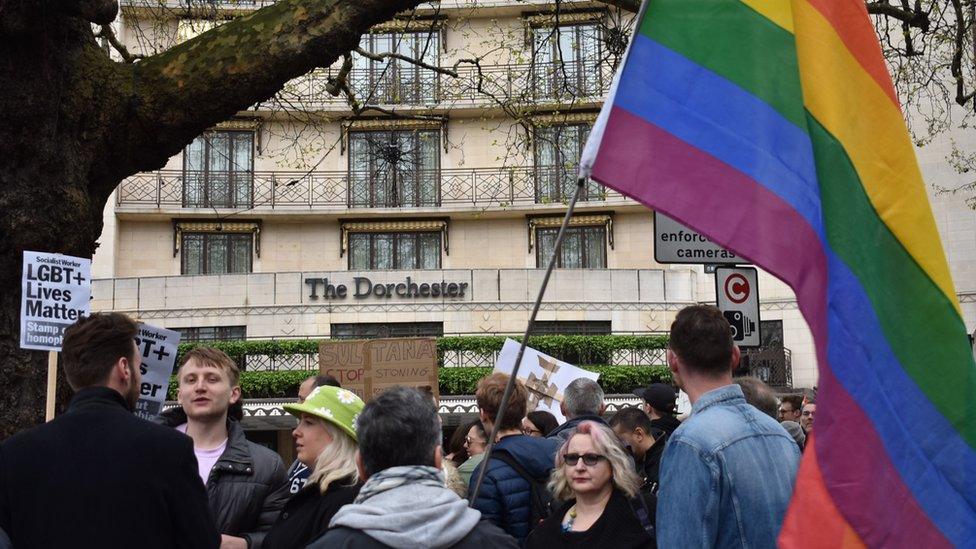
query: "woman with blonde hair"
597, 486
325, 440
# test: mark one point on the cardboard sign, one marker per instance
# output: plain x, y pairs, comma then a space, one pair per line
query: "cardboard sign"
158, 347
369, 367
55, 292
545, 377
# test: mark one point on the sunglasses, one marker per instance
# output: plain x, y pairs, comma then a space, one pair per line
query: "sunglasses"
470, 440
590, 460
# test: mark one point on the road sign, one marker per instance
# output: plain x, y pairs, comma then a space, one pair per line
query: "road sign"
675, 243
737, 294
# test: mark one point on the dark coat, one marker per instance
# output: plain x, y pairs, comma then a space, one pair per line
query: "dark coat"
484, 536
562, 432
99, 476
505, 496
307, 514
666, 423
618, 527
247, 487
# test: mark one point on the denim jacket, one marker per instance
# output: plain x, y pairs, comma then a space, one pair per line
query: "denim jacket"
726, 476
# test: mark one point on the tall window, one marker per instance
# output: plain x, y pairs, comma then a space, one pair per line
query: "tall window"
392, 81
396, 168
582, 248
557, 153
566, 61
405, 250
218, 170
372, 330
216, 253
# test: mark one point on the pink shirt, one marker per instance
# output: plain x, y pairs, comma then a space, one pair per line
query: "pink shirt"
206, 459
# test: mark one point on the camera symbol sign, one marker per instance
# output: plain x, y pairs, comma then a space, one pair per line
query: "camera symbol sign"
737, 288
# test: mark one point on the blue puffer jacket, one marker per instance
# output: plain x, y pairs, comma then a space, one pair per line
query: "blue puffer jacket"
504, 496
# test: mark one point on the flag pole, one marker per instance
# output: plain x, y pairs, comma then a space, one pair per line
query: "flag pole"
52, 384
580, 185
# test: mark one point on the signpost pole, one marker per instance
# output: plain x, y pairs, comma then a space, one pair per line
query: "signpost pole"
52, 384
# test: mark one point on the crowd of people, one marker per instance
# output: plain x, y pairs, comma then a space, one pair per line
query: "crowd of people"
378, 474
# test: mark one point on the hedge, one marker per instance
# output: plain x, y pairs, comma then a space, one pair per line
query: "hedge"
452, 381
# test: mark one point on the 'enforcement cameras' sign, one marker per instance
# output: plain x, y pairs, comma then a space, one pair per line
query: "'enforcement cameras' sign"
737, 296
55, 292
675, 243
158, 347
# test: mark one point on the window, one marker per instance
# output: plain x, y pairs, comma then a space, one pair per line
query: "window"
403, 250
392, 81
372, 330
557, 152
566, 61
583, 247
212, 333
216, 253
389, 169
571, 327
218, 170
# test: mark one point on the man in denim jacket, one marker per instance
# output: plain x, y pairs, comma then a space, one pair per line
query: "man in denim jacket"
728, 471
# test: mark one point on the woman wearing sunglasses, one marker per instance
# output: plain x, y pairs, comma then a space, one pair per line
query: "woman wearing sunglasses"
594, 480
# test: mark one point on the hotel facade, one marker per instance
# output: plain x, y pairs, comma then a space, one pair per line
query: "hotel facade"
433, 214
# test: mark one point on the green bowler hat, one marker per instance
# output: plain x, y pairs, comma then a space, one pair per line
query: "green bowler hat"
339, 407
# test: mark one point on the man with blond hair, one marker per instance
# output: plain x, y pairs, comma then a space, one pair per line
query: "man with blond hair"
245, 481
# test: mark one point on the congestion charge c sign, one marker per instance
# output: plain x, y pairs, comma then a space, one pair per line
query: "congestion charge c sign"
737, 288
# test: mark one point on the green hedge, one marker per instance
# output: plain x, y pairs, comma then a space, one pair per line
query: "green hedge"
453, 381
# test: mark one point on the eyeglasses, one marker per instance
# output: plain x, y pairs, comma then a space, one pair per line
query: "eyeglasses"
470, 440
808, 413
590, 460
530, 431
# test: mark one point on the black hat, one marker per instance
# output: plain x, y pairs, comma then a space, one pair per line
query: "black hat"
658, 395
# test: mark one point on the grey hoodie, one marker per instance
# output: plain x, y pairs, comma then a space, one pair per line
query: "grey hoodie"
411, 515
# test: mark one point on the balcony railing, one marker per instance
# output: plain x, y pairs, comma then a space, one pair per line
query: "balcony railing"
478, 187
513, 84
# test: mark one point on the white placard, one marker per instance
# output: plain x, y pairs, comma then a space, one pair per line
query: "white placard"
158, 347
55, 292
545, 377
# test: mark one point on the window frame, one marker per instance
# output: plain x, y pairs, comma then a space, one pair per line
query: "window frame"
411, 84
600, 230
233, 175
561, 173
377, 327
206, 251
380, 171
552, 76
397, 235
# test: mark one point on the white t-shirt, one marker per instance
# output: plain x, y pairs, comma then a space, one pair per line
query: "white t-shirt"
206, 459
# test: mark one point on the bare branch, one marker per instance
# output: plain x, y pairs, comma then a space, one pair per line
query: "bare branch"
401, 57
912, 16
107, 33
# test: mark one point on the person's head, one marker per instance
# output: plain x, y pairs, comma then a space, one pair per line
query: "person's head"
325, 438
806, 416
700, 346
539, 423
790, 408
475, 438
208, 384
795, 431
489, 396
399, 427
312, 382
659, 399
100, 350
582, 397
759, 395
590, 462
634, 429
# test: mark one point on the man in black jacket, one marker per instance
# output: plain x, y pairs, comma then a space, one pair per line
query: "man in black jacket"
245, 481
645, 442
405, 503
98, 476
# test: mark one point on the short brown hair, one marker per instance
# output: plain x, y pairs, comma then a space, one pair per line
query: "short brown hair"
208, 356
489, 397
93, 345
702, 339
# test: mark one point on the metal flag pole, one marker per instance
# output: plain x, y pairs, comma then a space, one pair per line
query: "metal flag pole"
580, 185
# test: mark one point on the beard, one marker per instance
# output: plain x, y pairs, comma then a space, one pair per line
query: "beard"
132, 395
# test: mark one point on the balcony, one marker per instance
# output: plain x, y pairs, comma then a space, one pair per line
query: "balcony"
514, 84
342, 190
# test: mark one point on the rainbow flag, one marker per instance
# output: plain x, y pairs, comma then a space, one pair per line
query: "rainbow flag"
773, 128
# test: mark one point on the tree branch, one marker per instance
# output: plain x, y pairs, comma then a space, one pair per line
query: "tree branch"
912, 16
107, 33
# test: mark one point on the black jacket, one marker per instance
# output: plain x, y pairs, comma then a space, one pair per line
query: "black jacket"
484, 536
246, 488
666, 423
307, 514
618, 527
99, 476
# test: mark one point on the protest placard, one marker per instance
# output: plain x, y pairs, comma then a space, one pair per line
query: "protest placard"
545, 377
369, 367
55, 292
158, 348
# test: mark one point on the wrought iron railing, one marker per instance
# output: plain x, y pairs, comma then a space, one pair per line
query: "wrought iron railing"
479, 187
774, 365
490, 84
